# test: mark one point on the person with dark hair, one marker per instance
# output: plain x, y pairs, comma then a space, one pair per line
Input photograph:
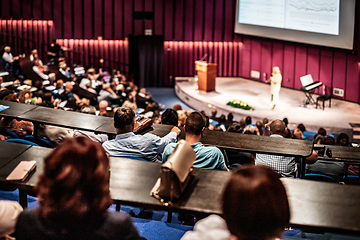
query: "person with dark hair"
170, 117
255, 207
301, 127
285, 166
206, 157
248, 120
333, 169
74, 197
322, 131
343, 140
286, 121
127, 144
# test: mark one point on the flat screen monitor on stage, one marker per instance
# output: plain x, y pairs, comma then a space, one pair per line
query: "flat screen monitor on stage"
319, 22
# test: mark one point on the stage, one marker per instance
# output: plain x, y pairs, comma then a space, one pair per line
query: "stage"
257, 94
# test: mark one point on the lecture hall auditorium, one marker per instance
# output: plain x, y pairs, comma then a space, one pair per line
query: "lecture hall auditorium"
71, 69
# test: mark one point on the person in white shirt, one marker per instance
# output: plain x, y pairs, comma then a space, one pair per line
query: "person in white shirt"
9, 212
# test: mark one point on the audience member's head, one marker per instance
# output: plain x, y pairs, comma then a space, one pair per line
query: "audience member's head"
301, 127
259, 125
265, 121
195, 124
322, 131
248, 120
25, 94
74, 185
235, 128
88, 109
298, 133
255, 204
182, 117
124, 119
222, 118
230, 117
103, 104
286, 121
343, 140
7, 49
52, 77
11, 98
213, 113
177, 107
68, 86
170, 117
327, 140
278, 127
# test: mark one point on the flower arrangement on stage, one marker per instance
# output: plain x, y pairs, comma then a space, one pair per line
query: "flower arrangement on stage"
240, 104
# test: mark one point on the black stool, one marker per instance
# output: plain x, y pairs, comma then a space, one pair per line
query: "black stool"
323, 98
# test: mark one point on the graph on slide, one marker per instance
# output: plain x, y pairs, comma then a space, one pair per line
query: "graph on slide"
320, 16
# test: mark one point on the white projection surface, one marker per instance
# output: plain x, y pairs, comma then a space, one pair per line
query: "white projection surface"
320, 16
320, 22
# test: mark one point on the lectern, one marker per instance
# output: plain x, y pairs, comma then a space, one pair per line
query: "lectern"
206, 75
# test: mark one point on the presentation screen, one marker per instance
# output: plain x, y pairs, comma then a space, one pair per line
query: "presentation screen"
320, 22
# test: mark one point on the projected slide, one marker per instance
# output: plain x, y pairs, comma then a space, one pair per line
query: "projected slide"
320, 16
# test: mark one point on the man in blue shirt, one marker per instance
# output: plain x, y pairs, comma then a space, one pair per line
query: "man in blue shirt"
206, 157
127, 144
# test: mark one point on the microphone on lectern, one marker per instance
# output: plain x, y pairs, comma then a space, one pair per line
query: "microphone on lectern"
202, 59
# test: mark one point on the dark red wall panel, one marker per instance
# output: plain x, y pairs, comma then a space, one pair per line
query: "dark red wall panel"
288, 70
352, 79
300, 65
339, 75
266, 49
326, 70
179, 20
255, 63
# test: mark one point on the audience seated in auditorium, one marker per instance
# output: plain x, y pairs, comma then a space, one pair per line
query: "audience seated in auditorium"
343, 140
74, 197
21, 127
9, 213
322, 131
55, 51
177, 107
64, 69
10, 63
103, 105
100, 138
39, 70
206, 157
285, 166
301, 127
127, 144
333, 169
170, 117
213, 115
248, 120
297, 134
254, 205
34, 55
68, 95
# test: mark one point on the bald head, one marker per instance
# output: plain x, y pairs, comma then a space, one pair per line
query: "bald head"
278, 127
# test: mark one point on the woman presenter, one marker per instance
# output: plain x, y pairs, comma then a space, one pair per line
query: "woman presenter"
275, 85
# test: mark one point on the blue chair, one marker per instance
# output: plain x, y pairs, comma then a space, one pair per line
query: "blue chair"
21, 141
319, 177
43, 142
8, 133
351, 179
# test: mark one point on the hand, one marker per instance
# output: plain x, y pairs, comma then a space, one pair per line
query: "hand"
176, 130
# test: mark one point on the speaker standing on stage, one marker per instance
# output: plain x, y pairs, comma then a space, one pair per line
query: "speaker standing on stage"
275, 86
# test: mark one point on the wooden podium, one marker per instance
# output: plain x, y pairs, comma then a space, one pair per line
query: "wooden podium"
206, 73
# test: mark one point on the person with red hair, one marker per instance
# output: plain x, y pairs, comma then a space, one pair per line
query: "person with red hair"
74, 196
